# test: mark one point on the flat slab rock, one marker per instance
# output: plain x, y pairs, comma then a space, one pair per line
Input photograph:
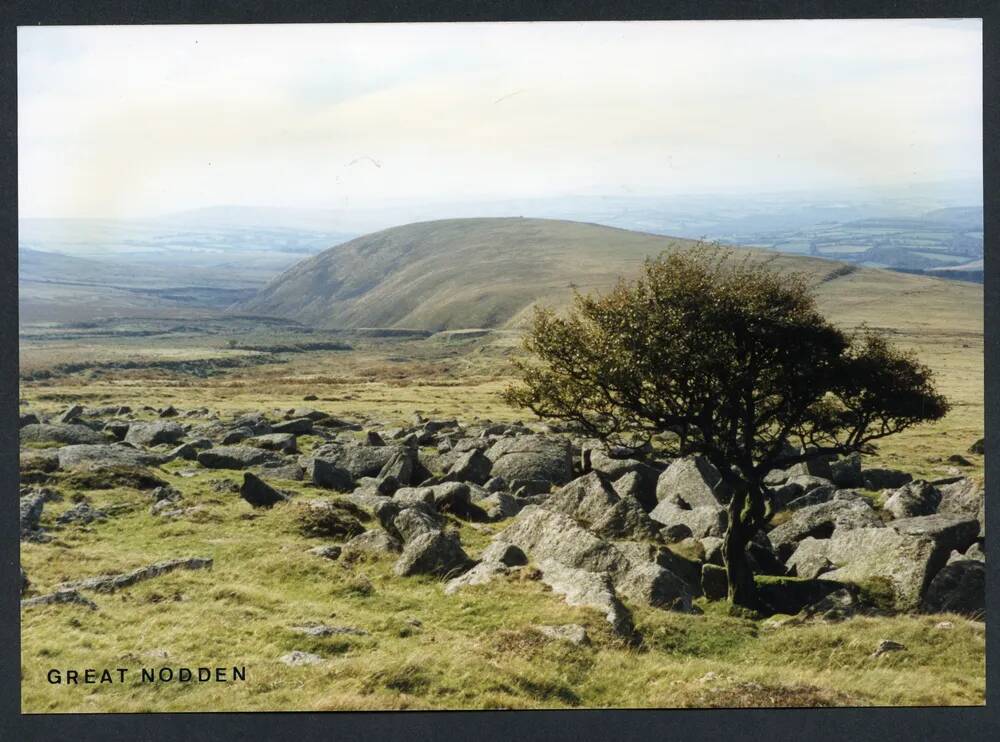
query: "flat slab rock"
298, 658
109, 583
237, 457
571, 632
105, 455
590, 590
60, 433
154, 433
322, 630
59, 596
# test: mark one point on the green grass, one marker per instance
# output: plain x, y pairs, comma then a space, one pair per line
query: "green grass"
476, 649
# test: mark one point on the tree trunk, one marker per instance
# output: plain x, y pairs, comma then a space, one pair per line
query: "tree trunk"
742, 588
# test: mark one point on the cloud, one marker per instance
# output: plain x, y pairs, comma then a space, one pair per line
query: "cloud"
135, 120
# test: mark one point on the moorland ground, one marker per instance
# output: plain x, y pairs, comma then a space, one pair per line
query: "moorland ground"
421, 649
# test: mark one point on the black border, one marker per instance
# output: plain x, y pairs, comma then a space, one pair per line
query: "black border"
883, 724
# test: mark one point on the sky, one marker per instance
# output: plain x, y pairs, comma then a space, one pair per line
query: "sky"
133, 121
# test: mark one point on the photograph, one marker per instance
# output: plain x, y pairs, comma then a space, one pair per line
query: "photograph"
500, 365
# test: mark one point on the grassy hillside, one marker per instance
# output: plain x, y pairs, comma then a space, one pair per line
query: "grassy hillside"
416, 648
462, 273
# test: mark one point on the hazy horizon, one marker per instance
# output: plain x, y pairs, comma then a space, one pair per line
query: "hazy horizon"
131, 122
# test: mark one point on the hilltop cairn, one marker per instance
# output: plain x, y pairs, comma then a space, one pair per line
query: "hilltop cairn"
604, 527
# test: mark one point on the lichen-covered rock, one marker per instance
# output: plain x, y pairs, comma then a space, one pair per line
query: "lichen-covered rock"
651, 584
331, 552
292, 472
154, 433
236, 435
808, 483
507, 554
790, 596
821, 521
547, 534
184, 451
405, 522
452, 497
948, 533
900, 564
912, 499
111, 583
823, 493
471, 466
411, 495
593, 502
692, 482
502, 505
332, 519
61, 433
630, 476
31, 507
633, 567
296, 426
839, 605
37, 460
532, 457
259, 493
481, 574
237, 457
298, 658
496, 560
881, 479
809, 559
591, 590
363, 461
712, 546
70, 414
964, 498
973, 552
400, 466
106, 456
82, 513
846, 472
326, 474
700, 521
960, 587
283, 442
818, 466
374, 542
572, 632
433, 553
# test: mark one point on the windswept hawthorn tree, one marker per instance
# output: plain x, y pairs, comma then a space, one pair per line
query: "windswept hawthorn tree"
727, 359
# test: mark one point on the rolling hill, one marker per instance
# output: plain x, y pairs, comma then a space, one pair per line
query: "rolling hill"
488, 273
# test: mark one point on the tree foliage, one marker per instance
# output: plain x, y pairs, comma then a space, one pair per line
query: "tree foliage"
725, 358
